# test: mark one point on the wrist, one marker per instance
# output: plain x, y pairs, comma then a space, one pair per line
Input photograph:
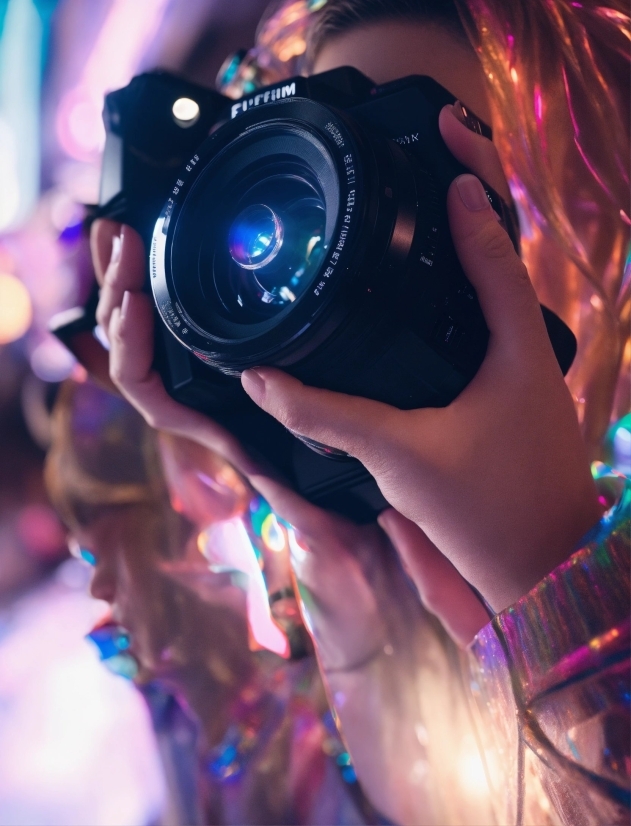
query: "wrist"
575, 606
559, 527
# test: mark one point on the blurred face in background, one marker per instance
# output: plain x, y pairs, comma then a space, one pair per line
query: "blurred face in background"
125, 577
175, 634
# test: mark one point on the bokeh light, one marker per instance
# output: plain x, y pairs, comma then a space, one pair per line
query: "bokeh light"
50, 361
272, 534
471, 773
16, 310
186, 111
41, 532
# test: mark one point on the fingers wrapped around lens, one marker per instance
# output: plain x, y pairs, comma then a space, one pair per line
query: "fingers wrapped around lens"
119, 262
131, 333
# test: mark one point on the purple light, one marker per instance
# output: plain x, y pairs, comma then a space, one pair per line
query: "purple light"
126, 33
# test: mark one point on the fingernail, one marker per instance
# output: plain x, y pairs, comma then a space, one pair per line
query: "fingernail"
116, 249
464, 116
472, 193
254, 385
125, 304
457, 112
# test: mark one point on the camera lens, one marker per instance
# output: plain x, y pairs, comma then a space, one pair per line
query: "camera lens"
256, 237
252, 235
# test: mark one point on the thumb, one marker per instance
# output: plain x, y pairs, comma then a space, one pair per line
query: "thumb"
443, 591
348, 423
490, 262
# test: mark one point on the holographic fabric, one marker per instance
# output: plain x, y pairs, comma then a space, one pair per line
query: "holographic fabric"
550, 681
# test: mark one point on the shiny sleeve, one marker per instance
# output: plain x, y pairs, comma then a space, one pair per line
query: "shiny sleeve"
550, 685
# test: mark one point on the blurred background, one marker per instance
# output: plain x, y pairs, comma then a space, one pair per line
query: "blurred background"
76, 744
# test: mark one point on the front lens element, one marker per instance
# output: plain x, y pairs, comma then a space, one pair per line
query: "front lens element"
275, 247
254, 231
255, 237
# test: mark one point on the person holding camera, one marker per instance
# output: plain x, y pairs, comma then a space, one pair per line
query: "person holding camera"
493, 490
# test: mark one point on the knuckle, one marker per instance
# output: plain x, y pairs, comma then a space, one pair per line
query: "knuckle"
294, 420
111, 276
520, 273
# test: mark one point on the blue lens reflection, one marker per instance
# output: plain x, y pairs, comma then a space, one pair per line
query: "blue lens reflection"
255, 237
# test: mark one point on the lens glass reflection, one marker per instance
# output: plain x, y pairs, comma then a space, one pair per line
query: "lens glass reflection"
253, 233
255, 237
275, 244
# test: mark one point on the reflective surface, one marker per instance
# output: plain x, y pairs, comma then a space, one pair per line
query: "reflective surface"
559, 656
256, 237
276, 243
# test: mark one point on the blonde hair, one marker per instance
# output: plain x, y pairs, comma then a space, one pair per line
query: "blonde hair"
102, 454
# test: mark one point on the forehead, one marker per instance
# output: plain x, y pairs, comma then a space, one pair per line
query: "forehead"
390, 49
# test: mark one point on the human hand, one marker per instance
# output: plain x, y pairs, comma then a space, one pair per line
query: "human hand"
345, 573
377, 648
498, 480
125, 314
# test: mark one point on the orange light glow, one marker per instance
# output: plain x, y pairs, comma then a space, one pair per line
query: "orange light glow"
16, 311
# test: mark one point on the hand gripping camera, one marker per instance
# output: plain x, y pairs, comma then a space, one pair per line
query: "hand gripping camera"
303, 226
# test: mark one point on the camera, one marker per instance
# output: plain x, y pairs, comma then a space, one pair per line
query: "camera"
305, 227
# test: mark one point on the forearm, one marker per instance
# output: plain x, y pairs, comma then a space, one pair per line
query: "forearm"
405, 718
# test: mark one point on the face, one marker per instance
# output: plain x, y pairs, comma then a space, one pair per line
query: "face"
390, 50
172, 630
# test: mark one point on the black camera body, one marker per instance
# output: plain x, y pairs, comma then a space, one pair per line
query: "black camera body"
304, 227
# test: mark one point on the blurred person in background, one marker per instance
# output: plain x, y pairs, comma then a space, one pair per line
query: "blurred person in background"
246, 735
70, 733
581, 776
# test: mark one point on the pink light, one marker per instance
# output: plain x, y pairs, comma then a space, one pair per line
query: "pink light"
538, 106
79, 124
577, 141
226, 545
125, 36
